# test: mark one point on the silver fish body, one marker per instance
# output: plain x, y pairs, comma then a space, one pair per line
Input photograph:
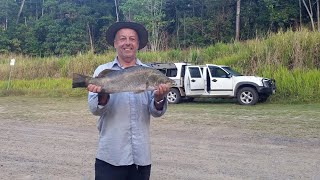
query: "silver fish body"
132, 79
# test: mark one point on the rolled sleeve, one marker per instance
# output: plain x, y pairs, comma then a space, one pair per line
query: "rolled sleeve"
157, 113
95, 109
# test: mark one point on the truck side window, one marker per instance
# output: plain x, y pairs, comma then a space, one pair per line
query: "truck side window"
162, 70
221, 73
213, 71
194, 72
171, 72
217, 72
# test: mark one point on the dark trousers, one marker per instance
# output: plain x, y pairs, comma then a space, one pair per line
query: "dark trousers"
106, 171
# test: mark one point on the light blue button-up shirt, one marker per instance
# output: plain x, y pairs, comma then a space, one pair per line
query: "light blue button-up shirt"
124, 124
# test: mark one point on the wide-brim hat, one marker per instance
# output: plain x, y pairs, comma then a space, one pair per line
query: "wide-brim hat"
140, 29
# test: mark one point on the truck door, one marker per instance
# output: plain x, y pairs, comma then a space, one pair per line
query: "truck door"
220, 82
194, 82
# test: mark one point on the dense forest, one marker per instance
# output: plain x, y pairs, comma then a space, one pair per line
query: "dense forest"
68, 27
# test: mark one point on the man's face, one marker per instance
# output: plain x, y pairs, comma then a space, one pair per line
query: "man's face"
126, 43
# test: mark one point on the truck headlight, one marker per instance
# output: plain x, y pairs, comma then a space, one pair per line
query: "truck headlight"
266, 82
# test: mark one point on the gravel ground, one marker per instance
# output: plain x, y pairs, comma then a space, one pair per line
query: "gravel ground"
56, 139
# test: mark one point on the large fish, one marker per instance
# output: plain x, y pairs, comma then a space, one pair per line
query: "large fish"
132, 79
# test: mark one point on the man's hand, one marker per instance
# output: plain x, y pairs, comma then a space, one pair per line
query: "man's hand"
103, 98
94, 88
159, 94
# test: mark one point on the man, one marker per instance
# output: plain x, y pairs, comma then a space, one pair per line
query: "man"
124, 145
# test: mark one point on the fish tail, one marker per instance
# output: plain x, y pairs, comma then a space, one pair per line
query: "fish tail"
79, 80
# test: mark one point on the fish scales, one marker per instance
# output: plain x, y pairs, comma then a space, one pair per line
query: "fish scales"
132, 79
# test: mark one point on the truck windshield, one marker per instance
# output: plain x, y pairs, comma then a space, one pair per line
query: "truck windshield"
231, 71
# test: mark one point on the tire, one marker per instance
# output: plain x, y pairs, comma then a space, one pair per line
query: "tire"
174, 96
247, 96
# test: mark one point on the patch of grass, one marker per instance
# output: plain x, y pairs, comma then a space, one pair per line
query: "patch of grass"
289, 120
61, 87
295, 85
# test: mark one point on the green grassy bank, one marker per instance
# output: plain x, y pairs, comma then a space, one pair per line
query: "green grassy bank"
291, 58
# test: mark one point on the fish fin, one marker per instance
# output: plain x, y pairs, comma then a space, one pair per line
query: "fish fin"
79, 80
104, 73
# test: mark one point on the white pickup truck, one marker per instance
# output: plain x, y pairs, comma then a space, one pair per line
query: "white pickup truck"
214, 81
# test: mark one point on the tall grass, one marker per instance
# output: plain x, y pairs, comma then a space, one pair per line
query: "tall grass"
291, 58
296, 85
289, 49
57, 87
52, 67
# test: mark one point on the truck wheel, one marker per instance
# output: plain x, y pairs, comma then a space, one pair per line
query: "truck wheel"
174, 96
247, 96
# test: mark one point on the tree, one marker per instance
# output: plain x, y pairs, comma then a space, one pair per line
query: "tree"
150, 13
116, 6
238, 21
318, 15
19, 13
56, 27
220, 18
8, 11
310, 12
282, 14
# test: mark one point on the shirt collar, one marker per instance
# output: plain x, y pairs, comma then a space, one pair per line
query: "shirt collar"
116, 62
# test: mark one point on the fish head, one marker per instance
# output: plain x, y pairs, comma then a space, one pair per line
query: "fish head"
171, 82
157, 80
165, 80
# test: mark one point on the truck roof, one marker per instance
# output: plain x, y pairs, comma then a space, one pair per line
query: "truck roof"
167, 65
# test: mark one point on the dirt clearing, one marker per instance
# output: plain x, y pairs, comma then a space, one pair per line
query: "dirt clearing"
54, 138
